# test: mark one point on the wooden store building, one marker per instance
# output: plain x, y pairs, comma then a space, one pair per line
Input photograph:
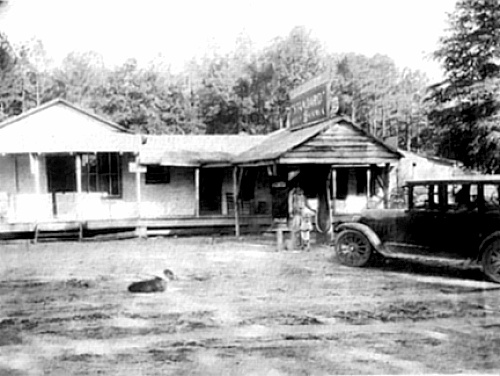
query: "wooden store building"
65, 169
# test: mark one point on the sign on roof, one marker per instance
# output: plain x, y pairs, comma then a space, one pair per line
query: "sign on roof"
310, 102
309, 107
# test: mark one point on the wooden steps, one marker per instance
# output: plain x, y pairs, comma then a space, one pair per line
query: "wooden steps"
56, 231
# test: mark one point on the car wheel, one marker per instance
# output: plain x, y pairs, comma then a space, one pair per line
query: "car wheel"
491, 261
353, 248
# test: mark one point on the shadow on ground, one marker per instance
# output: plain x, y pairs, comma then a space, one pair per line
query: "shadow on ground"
432, 268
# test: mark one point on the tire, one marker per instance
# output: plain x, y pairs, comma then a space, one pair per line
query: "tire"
491, 261
353, 248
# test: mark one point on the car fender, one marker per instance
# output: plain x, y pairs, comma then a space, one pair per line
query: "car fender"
493, 236
366, 231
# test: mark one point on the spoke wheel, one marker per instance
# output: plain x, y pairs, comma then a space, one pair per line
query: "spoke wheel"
353, 248
491, 261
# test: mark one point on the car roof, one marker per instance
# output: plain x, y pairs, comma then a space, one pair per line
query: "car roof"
457, 180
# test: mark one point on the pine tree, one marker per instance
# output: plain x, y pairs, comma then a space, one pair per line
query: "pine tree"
465, 107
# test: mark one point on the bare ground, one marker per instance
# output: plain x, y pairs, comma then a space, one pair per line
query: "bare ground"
238, 307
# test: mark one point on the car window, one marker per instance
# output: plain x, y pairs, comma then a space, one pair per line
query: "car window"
425, 197
491, 195
462, 196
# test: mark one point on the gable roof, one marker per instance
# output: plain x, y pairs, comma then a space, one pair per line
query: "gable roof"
59, 126
278, 145
60, 101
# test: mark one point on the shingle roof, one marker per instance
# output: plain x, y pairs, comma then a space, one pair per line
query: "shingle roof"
59, 126
195, 150
281, 142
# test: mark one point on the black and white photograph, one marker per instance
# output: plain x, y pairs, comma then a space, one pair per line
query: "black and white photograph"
261, 188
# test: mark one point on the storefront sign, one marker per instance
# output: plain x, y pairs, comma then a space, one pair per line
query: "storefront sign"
134, 168
311, 102
310, 106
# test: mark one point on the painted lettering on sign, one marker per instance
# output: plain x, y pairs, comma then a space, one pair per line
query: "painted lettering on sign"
309, 107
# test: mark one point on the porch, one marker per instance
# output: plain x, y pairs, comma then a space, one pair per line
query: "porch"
135, 227
141, 200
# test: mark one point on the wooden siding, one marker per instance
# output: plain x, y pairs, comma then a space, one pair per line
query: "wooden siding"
171, 199
340, 144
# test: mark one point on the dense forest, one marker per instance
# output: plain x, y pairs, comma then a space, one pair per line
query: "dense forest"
245, 90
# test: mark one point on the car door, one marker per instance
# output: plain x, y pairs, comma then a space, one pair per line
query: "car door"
420, 230
417, 229
457, 222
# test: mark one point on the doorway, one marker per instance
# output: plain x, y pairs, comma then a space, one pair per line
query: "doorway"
211, 191
61, 173
61, 177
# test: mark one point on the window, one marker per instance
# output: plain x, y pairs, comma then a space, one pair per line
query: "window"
361, 181
425, 197
158, 175
101, 173
491, 195
342, 183
351, 181
462, 196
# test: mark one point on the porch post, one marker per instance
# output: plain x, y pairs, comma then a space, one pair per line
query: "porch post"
16, 172
235, 195
78, 163
197, 192
35, 170
334, 190
138, 185
386, 185
368, 182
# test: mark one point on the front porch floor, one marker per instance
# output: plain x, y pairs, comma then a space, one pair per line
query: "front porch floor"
144, 227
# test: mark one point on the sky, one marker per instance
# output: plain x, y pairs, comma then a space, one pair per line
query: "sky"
405, 30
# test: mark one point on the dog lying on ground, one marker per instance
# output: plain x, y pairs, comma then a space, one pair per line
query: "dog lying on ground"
157, 284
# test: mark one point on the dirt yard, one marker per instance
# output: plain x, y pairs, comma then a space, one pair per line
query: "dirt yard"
238, 307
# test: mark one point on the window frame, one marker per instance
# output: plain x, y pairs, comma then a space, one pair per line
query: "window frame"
157, 178
111, 174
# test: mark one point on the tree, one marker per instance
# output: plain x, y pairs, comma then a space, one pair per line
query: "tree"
295, 59
245, 91
385, 101
223, 88
79, 77
9, 100
35, 74
465, 106
146, 100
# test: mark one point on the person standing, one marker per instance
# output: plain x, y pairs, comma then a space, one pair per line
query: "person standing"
300, 215
296, 202
306, 228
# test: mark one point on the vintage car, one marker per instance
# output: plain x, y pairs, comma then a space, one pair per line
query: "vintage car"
455, 218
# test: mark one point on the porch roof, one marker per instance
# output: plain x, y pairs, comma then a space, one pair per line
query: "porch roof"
195, 150
77, 144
